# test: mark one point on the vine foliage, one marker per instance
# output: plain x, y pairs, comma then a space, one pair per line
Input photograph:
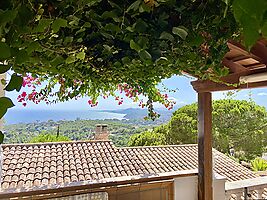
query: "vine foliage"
90, 47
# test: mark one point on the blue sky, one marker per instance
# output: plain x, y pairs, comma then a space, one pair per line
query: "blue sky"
184, 95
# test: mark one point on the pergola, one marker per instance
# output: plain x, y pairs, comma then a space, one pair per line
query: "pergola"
247, 70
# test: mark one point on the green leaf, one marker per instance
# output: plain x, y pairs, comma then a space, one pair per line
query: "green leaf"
140, 26
5, 103
195, 39
25, 15
33, 46
251, 33
87, 25
1, 137
144, 55
68, 40
264, 29
134, 46
4, 51
166, 36
251, 9
57, 60
58, 23
80, 55
70, 59
8, 16
161, 60
107, 35
4, 68
21, 57
144, 8
15, 83
126, 60
134, 6
90, 3
109, 14
143, 42
42, 25
112, 28
250, 15
180, 32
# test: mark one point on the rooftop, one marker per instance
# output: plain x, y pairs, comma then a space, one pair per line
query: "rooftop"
61, 163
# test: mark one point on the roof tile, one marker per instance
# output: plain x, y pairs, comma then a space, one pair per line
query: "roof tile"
28, 165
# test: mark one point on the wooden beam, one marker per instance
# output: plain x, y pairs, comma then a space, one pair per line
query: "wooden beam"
233, 45
234, 67
210, 86
260, 50
205, 146
227, 83
255, 66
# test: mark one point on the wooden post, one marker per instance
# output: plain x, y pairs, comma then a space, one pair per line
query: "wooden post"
205, 146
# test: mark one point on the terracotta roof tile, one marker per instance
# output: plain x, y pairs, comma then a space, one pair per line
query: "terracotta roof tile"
28, 165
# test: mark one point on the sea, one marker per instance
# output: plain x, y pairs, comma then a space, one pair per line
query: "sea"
14, 116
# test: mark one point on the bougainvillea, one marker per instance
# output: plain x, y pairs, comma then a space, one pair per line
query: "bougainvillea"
33, 96
91, 47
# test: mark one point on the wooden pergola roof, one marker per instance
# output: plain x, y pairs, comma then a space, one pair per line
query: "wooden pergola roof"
241, 63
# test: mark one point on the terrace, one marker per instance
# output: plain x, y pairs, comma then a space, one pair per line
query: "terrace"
247, 70
170, 184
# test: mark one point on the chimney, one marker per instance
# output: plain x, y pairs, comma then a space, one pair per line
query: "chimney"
101, 132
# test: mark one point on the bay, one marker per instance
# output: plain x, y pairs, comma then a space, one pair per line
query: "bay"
14, 116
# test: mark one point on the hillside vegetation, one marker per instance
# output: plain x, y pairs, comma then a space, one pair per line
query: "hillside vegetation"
237, 125
75, 130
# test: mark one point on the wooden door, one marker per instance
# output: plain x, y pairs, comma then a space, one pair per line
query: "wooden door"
147, 191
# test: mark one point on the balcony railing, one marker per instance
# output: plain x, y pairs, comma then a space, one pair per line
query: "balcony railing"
247, 189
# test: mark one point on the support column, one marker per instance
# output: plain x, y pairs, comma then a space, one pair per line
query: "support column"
2, 94
205, 146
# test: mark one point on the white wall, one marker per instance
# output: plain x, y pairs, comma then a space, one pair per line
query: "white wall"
187, 188
219, 187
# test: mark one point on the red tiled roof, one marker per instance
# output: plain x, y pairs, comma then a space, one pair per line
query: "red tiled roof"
28, 165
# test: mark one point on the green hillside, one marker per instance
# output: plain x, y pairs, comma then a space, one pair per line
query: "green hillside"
120, 131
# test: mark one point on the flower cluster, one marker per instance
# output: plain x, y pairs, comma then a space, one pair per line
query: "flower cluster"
32, 96
134, 95
92, 103
129, 92
168, 103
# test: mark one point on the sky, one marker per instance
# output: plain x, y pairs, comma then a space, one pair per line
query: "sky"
183, 95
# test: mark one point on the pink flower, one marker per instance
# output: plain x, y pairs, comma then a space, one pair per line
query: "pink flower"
24, 94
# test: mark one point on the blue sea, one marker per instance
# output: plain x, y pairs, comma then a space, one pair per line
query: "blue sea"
14, 116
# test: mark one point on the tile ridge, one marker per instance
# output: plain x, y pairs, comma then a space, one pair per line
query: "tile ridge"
159, 146
55, 143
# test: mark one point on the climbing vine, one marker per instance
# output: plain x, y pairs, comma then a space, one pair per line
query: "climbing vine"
97, 47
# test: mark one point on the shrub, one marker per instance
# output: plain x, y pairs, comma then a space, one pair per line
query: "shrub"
43, 137
259, 164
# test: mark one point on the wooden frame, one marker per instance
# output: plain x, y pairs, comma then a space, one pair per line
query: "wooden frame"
84, 187
240, 62
205, 146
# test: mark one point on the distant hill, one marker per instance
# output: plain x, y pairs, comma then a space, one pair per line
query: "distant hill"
139, 114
